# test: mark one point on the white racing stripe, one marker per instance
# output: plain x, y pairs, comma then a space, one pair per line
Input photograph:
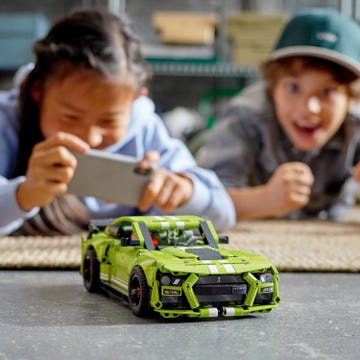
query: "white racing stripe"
120, 284
213, 312
180, 224
104, 277
172, 217
229, 268
228, 311
213, 269
158, 217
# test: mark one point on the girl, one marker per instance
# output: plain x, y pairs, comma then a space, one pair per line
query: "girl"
88, 90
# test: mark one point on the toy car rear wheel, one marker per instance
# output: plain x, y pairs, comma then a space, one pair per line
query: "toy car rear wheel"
91, 271
138, 292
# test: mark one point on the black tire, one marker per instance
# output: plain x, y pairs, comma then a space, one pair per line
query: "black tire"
139, 292
91, 271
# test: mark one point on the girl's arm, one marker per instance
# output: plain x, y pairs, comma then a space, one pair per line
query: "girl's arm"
190, 190
50, 169
11, 215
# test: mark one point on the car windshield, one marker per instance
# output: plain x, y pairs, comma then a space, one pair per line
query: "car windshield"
176, 237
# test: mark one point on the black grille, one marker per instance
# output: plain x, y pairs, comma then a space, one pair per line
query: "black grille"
263, 299
220, 279
220, 289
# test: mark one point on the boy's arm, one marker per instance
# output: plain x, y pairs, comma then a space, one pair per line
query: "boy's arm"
288, 189
357, 172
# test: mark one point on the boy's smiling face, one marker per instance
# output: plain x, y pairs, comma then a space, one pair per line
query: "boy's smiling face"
310, 106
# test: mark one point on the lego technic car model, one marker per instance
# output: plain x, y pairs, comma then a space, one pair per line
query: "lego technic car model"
173, 265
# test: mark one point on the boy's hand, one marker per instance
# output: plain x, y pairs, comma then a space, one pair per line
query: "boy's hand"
289, 188
51, 167
166, 190
357, 172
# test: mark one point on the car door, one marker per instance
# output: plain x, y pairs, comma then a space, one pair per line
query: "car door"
122, 256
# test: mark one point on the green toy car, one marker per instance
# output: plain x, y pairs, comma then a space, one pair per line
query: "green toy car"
173, 265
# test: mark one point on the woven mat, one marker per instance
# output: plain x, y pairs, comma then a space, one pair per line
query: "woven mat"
290, 245
56, 252
302, 245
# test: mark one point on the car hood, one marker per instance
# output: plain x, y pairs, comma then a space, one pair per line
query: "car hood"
208, 260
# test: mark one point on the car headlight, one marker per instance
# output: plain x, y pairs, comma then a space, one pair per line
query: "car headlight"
266, 278
165, 280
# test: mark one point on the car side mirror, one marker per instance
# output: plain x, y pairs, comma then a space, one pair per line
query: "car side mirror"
223, 239
129, 242
134, 242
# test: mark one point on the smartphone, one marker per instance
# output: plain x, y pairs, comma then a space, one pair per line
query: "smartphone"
110, 177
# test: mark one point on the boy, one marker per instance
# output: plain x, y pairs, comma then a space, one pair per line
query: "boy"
287, 147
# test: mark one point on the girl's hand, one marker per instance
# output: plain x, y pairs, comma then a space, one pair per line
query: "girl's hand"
51, 167
357, 172
289, 188
166, 190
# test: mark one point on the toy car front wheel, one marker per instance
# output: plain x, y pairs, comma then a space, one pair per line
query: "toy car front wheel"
91, 271
138, 292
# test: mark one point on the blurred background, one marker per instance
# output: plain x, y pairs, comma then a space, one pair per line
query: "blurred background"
201, 51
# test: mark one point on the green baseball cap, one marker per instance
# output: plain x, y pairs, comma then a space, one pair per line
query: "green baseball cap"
322, 33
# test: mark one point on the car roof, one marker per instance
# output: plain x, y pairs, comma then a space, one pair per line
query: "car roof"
162, 222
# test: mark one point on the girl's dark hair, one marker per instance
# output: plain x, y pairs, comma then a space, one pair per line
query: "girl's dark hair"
87, 38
